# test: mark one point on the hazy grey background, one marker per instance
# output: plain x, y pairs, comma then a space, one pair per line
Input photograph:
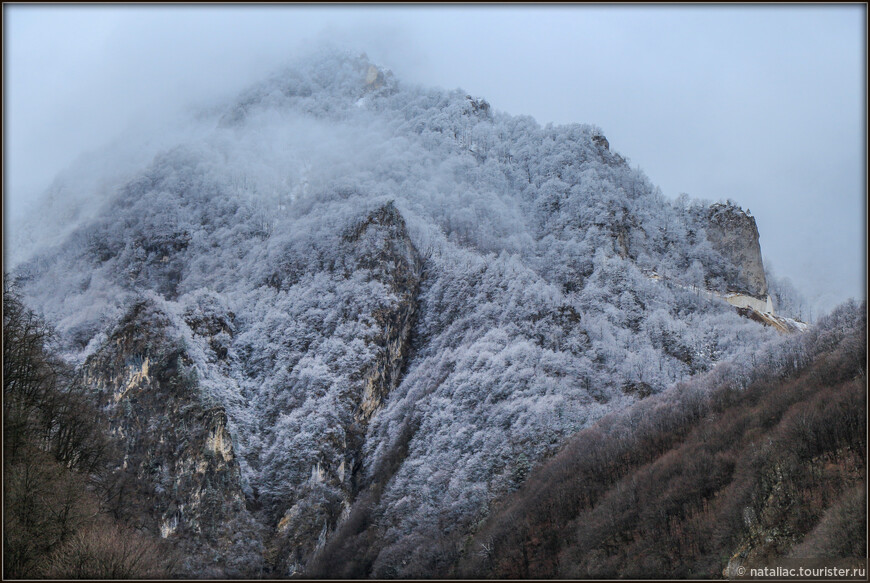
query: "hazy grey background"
763, 104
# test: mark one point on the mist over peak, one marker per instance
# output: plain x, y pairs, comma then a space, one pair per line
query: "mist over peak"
334, 309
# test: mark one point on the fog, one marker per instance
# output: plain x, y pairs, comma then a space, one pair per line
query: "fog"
764, 105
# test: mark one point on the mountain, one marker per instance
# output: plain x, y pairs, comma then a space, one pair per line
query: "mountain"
341, 309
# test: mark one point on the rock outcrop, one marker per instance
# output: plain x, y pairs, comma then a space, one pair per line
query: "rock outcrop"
396, 264
776, 523
379, 244
374, 77
734, 234
176, 473
601, 141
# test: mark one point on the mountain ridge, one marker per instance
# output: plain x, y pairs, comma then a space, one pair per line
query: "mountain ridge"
397, 293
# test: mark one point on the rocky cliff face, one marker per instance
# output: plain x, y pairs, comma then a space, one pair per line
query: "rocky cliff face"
776, 523
386, 248
177, 473
379, 245
734, 234
177, 465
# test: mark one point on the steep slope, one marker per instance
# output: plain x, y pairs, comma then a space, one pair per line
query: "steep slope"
313, 436
733, 468
59, 491
177, 474
399, 297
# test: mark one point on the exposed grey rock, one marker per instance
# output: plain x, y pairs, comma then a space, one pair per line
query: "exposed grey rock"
734, 234
176, 473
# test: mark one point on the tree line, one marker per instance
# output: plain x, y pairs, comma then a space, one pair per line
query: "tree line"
60, 512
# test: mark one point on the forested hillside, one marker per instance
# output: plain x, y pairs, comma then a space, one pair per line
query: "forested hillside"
343, 305
733, 467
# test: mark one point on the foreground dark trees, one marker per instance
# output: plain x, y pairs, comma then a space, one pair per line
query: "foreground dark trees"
748, 466
56, 484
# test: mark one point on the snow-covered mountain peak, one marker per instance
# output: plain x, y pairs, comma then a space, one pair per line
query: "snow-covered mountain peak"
413, 296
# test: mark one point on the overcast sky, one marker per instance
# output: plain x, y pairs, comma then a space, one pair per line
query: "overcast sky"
762, 104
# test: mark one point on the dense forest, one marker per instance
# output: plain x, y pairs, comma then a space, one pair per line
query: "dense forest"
63, 511
339, 325
725, 467
738, 464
